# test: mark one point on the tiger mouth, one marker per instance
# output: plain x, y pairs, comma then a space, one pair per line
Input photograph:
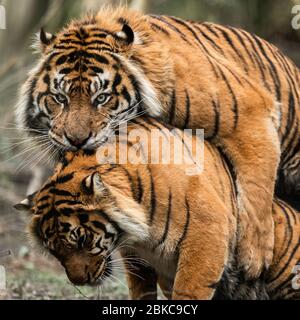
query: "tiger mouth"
61, 145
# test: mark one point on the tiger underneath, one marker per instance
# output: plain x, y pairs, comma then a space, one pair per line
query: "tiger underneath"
103, 70
184, 226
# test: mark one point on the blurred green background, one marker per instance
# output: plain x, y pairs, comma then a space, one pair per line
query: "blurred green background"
31, 276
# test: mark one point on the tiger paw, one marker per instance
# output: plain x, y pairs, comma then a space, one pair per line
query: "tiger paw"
255, 254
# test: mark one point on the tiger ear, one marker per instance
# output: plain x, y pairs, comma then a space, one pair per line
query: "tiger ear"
45, 39
93, 184
125, 37
25, 205
98, 184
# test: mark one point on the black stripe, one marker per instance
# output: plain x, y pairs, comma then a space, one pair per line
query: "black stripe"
99, 35
69, 202
140, 188
288, 156
111, 221
289, 77
65, 71
210, 28
167, 223
257, 58
72, 41
290, 119
130, 180
100, 42
232, 45
61, 60
64, 47
176, 133
216, 108
66, 211
140, 124
288, 228
44, 198
44, 206
99, 225
65, 178
63, 193
96, 69
187, 110
83, 218
235, 103
242, 42
188, 27
186, 226
136, 87
207, 37
276, 289
97, 57
46, 79
287, 264
230, 167
290, 210
47, 186
172, 107
125, 94
288, 149
117, 81
171, 26
273, 70
152, 197
159, 28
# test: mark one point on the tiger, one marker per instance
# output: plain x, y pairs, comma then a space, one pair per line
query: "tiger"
183, 227
106, 69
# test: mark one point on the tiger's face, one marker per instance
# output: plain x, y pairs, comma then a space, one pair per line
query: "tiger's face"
75, 225
84, 86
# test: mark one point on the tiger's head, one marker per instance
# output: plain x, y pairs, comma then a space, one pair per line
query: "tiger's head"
81, 220
86, 82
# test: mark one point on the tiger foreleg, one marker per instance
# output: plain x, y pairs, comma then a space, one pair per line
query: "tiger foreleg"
141, 280
203, 256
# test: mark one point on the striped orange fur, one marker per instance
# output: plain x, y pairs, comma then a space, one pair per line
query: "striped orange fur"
106, 69
184, 226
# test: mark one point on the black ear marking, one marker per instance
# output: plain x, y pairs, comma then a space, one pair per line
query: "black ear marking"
46, 38
129, 33
26, 204
87, 185
126, 35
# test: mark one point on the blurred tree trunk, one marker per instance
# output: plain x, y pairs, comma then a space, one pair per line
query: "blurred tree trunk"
259, 13
140, 5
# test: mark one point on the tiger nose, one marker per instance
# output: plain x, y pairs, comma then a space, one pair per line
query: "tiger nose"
79, 279
77, 141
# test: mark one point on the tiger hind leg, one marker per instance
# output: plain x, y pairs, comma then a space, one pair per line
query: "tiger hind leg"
254, 151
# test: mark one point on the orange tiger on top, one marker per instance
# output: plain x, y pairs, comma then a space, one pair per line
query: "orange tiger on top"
105, 69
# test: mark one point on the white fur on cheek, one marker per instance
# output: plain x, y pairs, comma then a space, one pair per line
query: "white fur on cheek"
148, 94
22, 104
